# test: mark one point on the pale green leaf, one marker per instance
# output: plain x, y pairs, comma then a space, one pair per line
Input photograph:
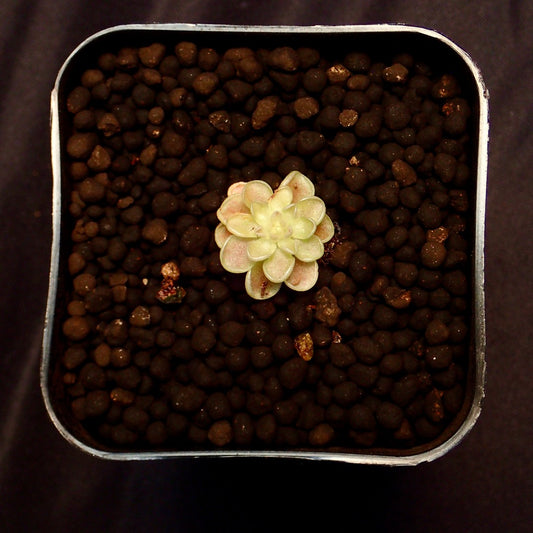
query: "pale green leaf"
288, 245
310, 249
242, 225
313, 208
261, 213
280, 199
278, 267
303, 228
260, 249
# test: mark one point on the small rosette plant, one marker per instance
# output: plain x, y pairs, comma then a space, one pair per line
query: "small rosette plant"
274, 237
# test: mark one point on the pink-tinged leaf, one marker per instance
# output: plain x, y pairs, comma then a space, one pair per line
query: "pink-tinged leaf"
256, 191
221, 235
301, 185
232, 205
236, 188
234, 257
258, 286
303, 277
278, 266
325, 230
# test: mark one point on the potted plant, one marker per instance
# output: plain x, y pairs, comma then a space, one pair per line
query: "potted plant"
267, 244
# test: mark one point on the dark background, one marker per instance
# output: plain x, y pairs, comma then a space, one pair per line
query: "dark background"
485, 484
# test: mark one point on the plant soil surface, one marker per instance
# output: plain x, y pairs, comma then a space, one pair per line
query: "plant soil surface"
376, 355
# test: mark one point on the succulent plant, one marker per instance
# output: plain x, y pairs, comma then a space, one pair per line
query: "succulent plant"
276, 236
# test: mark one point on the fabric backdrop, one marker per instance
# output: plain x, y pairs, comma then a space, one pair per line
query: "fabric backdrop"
485, 484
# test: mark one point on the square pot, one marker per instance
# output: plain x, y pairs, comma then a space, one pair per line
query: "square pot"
65, 390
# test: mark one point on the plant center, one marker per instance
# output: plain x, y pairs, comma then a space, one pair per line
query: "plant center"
280, 226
